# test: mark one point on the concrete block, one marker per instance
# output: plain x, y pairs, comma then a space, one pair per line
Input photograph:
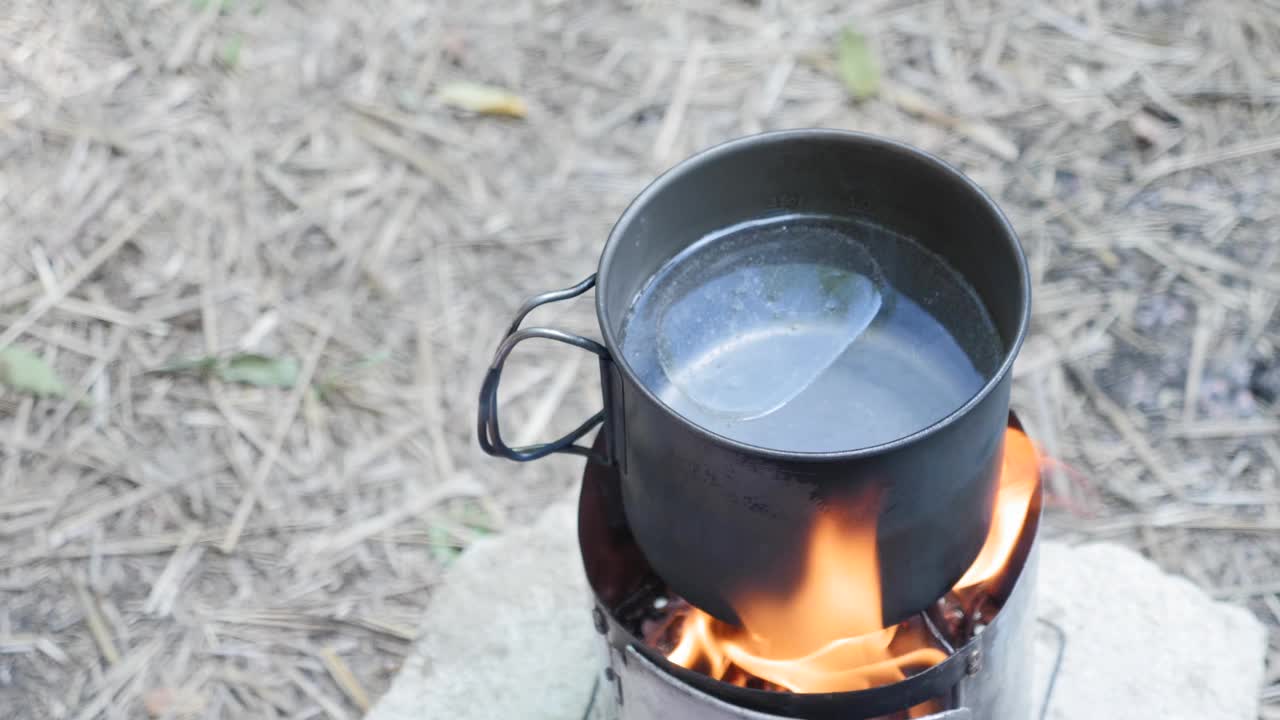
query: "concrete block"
508, 634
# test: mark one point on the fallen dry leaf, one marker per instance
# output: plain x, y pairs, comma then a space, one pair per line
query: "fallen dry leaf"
484, 99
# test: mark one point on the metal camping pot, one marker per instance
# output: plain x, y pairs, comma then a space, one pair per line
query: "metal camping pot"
715, 516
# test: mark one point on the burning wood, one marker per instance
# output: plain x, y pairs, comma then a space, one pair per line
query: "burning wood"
825, 634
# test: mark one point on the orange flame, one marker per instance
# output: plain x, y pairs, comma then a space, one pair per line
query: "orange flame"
1019, 476
825, 634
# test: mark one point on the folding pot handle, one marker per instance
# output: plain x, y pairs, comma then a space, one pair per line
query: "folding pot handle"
487, 423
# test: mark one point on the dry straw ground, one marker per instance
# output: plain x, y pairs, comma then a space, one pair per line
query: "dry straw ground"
199, 178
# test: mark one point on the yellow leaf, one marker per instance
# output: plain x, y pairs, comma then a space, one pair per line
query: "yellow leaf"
484, 99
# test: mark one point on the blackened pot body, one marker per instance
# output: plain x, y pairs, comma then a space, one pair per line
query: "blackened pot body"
715, 522
718, 518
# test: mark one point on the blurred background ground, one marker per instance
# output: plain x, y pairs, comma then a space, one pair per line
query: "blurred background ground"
268, 262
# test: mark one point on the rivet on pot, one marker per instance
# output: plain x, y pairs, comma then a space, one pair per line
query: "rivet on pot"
597, 617
973, 665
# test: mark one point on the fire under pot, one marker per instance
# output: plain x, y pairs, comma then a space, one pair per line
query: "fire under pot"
967, 657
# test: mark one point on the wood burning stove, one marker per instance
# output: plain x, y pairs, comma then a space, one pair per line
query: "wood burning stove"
985, 636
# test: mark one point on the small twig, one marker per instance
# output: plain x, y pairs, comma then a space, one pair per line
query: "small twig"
76, 396
97, 625
1227, 428
674, 118
327, 704
1123, 425
17, 644
980, 133
1205, 327
405, 151
345, 679
117, 678
415, 123
1246, 591
1232, 152
100, 255
283, 423
335, 542
163, 591
63, 531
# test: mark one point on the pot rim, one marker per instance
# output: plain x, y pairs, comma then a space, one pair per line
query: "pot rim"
852, 137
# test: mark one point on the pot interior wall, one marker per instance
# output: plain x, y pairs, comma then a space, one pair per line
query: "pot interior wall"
818, 172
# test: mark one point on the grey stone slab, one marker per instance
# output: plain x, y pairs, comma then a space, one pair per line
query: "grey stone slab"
1141, 643
508, 635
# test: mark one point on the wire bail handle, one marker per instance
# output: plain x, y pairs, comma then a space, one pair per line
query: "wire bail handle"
487, 421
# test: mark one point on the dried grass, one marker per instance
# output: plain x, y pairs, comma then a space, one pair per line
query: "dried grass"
190, 178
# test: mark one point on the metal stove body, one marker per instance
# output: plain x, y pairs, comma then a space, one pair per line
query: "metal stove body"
989, 677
